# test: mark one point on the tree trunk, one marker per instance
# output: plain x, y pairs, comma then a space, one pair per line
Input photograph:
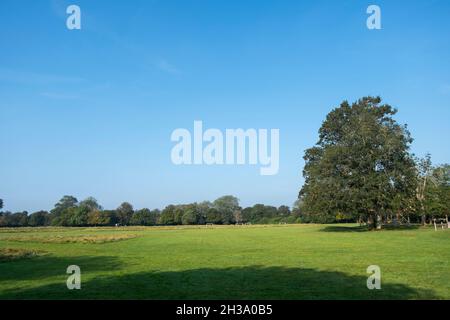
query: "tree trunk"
379, 221
371, 223
397, 219
424, 219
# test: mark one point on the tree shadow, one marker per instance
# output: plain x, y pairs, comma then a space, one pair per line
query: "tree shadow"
47, 266
390, 227
352, 228
241, 283
340, 228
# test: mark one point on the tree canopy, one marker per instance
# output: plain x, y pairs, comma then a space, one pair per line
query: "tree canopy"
360, 163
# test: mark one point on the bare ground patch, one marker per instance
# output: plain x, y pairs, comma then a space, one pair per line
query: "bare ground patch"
10, 254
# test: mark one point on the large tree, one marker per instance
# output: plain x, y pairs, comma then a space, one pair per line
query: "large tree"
66, 202
91, 204
226, 206
360, 164
124, 213
167, 216
39, 219
190, 217
60, 213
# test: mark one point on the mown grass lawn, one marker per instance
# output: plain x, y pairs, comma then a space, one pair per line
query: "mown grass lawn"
234, 262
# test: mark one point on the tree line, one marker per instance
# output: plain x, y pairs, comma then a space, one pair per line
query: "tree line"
361, 169
70, 212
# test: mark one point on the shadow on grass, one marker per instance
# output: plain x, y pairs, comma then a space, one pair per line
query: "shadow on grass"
352, 228
46, 266
251, 282
341, 228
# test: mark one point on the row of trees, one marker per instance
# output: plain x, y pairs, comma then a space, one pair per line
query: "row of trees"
225, 210
362, 169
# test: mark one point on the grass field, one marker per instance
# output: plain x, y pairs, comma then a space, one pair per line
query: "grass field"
234, 262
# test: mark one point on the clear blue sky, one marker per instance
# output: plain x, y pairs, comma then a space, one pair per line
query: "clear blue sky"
90, 112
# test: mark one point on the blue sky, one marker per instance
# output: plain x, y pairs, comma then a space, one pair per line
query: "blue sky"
90, 112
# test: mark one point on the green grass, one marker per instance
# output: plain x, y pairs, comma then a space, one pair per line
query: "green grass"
235, 262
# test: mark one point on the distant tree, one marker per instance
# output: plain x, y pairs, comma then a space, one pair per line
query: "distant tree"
91, 204
18, 219
237, 216
202, 210
205, 204
246, 214
227, 217
109, 217
178, 215
156, 214
144, 217
226, 204
4, 219
437, 194
65, 203
124, 213
284, 211
76, 217
296, 213
21, 219
260, 213
1, 203
101, 217
190, 217
39, 219
359, 165
213, 216
59, 212
167, 215
270, 212
255, 213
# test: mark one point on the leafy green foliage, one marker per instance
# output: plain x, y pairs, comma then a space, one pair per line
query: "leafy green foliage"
102, 218
360, 164
145, 217
39, 219
225, 210
18, 219
436, 201
124, 213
